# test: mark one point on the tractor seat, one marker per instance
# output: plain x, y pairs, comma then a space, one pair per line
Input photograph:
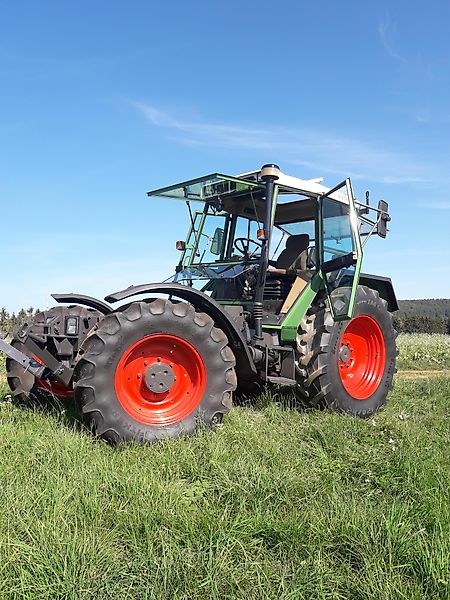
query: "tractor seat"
294, 255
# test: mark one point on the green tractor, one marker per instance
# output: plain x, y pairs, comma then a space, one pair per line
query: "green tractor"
268, 290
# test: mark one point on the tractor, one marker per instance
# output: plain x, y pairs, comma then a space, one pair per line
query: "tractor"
268, 290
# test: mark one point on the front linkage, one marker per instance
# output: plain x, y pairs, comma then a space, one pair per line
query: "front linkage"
27, 363
43, 352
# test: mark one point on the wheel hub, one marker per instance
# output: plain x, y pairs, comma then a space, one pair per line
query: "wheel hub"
344, 353
159, 377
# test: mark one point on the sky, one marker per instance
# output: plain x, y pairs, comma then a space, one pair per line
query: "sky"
102, 101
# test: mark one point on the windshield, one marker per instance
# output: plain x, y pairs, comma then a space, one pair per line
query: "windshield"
207, 237
220, 239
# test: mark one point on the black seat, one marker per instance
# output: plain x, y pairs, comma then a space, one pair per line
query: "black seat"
294, 255
282, 274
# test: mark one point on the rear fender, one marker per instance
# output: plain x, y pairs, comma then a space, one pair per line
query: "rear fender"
383, 285
244, 362
89, 301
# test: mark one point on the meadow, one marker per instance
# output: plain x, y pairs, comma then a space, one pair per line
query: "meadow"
423, 351
275, 504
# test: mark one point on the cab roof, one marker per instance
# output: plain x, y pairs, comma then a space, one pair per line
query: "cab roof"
219, 187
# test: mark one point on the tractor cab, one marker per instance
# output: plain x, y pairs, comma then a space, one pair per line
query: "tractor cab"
268, 242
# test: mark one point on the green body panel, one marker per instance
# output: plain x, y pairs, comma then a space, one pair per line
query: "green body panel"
358, 245
354, 289
292, 320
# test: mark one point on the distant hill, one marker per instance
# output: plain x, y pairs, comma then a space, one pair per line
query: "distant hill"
425, 308
423, 316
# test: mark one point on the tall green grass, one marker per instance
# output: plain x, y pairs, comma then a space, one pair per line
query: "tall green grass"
277, 503
420, 351
3, 385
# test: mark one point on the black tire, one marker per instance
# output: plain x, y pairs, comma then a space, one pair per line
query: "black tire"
319, 345
107, 345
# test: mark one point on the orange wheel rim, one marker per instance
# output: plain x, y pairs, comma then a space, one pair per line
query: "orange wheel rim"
160, 380
53, 386
362, 357
56, 388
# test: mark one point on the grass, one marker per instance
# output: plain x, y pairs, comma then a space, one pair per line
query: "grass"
275, 504
423, 351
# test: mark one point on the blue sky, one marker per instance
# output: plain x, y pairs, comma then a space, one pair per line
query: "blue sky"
101, 101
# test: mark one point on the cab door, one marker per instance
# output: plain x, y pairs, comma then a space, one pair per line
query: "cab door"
340, 248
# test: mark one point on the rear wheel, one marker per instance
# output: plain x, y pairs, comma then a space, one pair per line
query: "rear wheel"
348, 365
153, 371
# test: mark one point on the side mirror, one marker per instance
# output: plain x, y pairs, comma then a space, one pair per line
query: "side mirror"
217, 241
311, 261
383, 218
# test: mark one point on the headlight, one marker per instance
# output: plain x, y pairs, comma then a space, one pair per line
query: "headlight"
72, 325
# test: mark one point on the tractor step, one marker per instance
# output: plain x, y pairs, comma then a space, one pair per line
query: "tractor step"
281, 380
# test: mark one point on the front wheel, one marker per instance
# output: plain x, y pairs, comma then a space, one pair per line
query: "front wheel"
154, 370
348, 365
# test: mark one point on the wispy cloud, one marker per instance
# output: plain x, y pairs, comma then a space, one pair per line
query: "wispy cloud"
387, 30
436, 205
427, 116
422, 114
313, 149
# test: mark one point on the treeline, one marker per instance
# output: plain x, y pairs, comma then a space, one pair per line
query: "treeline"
414, 316
9, 321
423, 316
434, 307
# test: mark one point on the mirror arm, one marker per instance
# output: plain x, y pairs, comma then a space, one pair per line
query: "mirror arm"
341, 262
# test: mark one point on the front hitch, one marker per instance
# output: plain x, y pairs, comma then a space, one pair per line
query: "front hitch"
29, 364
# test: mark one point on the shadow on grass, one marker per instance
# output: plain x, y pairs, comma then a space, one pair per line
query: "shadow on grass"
63, 411
261, 397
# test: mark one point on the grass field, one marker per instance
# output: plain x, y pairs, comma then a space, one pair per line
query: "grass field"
422, 351
275, 504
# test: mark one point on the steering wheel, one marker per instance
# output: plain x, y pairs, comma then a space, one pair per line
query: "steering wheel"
241, 244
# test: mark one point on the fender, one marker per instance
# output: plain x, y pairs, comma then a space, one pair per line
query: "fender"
89, 301
383, 285
244, 361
